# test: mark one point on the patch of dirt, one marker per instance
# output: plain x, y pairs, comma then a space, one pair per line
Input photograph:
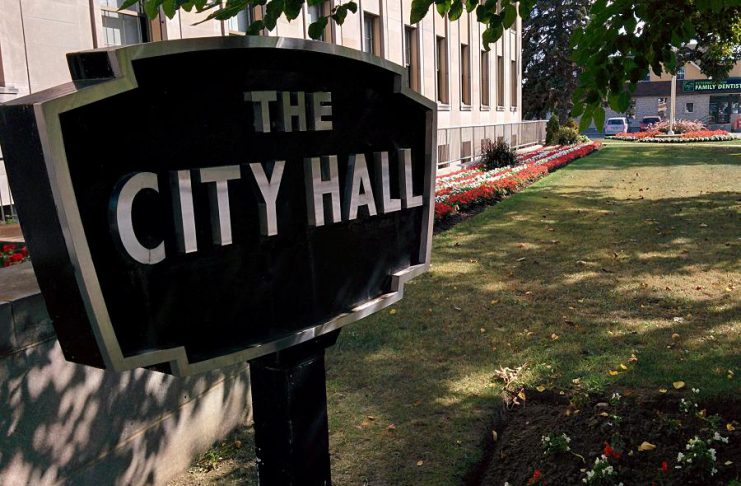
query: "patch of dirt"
591, 422
454, 219
229, 462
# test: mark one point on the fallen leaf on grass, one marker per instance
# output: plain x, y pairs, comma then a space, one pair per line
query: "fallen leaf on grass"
730, 427
457, 308
555, 336
482, 330
494, 435
646, 446
604, 414
541, 389
522, 259
391, 427
419, 463
521, 395
237, 444
612, 373
678, 385
633, 358
678, 319
663, 390
494, 302
392, 311
623, 367
576, 381
675, 336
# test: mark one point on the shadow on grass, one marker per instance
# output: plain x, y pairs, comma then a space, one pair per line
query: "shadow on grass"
570, 283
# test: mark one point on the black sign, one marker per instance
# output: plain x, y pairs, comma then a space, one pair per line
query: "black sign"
192, 204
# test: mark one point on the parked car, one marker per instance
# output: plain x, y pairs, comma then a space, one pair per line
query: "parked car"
613, 126
649, 120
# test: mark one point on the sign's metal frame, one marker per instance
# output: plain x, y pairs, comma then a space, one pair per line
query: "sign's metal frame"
71, 96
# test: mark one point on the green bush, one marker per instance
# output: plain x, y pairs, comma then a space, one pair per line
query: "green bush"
571, 123
567, 136
497, 154
551, 130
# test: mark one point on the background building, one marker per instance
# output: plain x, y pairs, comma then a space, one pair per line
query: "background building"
717, 104
478, 91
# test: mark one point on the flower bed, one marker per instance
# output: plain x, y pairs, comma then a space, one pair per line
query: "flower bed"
694, 136
11, 254
467, 188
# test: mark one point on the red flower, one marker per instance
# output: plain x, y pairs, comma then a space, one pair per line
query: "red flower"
24, 251
664, 467
536, 478
8, 248
15, 258
610, 452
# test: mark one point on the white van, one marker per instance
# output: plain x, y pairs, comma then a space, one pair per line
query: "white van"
613, 126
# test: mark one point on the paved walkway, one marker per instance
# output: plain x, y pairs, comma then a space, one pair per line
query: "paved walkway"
11, 233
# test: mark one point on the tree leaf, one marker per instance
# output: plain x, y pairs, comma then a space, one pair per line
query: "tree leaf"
510, 15
316, 29
419, 10
456, 10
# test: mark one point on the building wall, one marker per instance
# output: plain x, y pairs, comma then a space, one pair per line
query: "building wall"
35, 35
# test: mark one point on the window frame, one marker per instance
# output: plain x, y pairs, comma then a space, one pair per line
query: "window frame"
466, 87
442, 76
485, 80
376, 48
145, 34
412, 57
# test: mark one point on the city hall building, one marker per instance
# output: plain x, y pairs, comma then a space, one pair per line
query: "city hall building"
478, 92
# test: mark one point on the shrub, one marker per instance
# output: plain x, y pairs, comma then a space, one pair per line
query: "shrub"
571, 123
551, 130
680, 126
497, 154
567, 136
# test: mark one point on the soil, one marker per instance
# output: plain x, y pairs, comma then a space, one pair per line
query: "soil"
643, 416
454, 219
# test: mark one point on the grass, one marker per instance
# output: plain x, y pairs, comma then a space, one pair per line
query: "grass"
630, 252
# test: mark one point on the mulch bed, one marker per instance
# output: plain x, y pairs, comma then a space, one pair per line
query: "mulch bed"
648, 416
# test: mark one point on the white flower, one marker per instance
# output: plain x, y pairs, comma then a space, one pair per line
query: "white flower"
590, 474
712, 453
695, 390
680, 457
616, 396
713, 472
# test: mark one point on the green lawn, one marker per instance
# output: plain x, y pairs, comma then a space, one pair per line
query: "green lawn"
600, 262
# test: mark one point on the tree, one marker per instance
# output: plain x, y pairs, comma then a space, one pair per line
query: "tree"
615, 49
549, 73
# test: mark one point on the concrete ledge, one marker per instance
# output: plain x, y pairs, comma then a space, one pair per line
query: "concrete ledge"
66, 424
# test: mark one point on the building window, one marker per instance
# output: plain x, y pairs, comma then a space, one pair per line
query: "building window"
124, 27
241, 22
371, 34
441, 57
485, 78
515, 83
680, 73
689, 107
313, 13
465, 75
411, 56
500, 80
